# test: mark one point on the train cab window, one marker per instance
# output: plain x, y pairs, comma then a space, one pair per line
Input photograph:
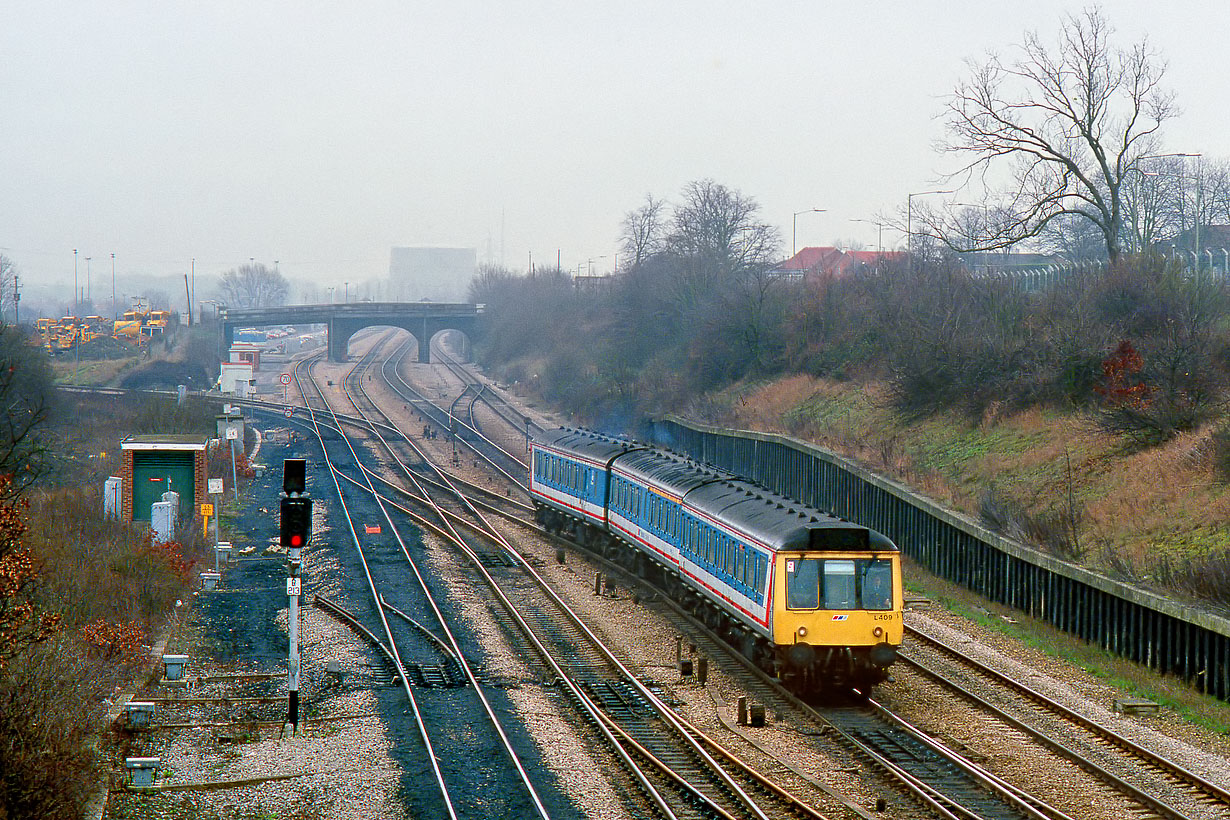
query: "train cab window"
876, 584
802, 583
840, 586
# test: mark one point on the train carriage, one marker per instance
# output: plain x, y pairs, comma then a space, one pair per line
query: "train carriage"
805, 595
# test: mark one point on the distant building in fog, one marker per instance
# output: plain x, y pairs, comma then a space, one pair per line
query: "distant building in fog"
436, 274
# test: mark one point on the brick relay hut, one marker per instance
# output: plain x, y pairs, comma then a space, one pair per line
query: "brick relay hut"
152, 465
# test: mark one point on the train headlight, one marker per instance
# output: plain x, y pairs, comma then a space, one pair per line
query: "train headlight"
878, 632
802, 632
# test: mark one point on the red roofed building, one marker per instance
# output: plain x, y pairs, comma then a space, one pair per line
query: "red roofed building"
828, 262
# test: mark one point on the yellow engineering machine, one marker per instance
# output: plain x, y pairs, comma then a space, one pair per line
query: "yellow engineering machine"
136, 328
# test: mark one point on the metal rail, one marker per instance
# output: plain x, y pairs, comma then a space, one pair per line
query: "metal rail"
1200, 788
578, 691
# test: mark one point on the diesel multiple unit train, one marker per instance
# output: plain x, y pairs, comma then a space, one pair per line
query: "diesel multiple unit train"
808, 597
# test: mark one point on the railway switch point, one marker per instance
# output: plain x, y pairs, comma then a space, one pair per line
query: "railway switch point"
175, 666
142, 770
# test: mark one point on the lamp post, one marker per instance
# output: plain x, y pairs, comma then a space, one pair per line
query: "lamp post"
794, 227
346, 301
590, 263
114, 310
74, 281
909, 219
331, 295
1182, 177
880, 238
89, 296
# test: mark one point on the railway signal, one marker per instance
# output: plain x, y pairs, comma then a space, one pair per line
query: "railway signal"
295, 527
296, 522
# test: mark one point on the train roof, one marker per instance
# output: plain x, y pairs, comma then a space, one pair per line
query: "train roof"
593, 446
777, 521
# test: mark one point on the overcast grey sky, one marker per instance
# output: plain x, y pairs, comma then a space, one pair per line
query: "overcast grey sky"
322, 134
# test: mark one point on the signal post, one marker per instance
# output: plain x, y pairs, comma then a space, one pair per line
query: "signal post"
295, 528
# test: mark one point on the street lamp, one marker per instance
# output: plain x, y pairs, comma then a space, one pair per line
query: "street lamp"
331, 295
88, 296
75, 282
879, 225
1184, 177
909, 219
347, 299
590, 263
114, 310
794, 227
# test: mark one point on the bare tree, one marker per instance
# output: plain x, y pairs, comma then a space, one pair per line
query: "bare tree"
253, 285
1072, 122
643, 230
717, 240
8, 285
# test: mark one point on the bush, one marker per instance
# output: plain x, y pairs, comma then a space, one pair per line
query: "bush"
50, 704
1221, 453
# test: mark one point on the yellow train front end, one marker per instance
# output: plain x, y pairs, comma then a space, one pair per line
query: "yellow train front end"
837, 618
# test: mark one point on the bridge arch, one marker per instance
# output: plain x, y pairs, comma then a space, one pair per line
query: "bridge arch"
423, 331
422, 319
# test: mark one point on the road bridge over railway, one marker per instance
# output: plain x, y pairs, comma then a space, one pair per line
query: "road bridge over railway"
423, 319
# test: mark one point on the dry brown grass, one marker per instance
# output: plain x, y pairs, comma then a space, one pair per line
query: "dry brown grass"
1133, 506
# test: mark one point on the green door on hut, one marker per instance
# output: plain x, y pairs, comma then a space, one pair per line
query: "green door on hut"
160, 471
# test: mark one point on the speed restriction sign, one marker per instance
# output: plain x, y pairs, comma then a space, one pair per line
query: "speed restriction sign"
284, 378
288, 412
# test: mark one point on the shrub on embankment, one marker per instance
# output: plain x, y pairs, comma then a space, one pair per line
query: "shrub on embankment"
81, 598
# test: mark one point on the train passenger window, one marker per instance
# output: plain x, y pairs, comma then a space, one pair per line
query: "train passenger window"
840, 589
876, 584
802, 583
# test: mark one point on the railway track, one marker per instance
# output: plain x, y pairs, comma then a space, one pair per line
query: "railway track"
654, 756
450, 756
868, 729
886, 739
1161, 787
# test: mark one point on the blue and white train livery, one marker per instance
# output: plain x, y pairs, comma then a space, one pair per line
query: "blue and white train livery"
807, 596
